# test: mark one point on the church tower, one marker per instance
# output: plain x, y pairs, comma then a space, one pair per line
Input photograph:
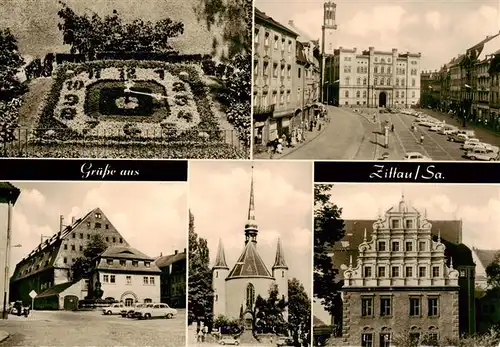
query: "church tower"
251, 227
220, 271
280, 274
328, 37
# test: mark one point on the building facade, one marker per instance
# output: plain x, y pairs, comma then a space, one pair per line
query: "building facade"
372, 78
50, 263
328, 45
126, 275
400, 284
236, 290
173, 279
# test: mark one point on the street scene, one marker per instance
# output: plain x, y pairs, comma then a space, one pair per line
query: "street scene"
88, 269
348, 95
166, 79
406, 265
250, 277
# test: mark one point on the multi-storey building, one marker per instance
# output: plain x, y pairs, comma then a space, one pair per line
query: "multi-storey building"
373, 78
274, 98
400, 284
430, 89
49, 264
126, 275
328, 45
173, 278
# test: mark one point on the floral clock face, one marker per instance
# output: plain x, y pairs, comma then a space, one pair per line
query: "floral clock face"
127, 101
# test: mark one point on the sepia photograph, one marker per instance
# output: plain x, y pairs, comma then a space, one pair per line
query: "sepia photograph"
376, 80
125, 79
406, 265
250, 254
93, 264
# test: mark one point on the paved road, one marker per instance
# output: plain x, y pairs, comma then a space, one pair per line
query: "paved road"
340, 140
65, 328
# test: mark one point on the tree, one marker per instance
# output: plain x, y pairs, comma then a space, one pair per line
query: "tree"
95, 246
228, 325
328, 229
268, 313
9, 117
89, 35
299, 313
10, 64
200, 292
80, 268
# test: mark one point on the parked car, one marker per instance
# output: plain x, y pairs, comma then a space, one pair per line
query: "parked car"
228, 340
155, 310
482, 153
491, 147
426, 123
469, 133
284, 341
468, 145
416, 156
456, 137
129, 311
113, 309
436, 127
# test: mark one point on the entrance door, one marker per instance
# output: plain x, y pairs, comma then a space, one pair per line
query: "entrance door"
71, 302
279, 126
382, 99
129, 302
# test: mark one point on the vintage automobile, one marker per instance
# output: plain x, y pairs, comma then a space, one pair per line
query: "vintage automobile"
156, 310
128, 312
113, 309
482, 153
228, 340
416, 156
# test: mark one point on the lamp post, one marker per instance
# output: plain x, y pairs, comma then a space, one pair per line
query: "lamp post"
466, 103
327, 96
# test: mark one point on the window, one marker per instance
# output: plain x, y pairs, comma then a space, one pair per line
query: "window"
73, 247
81, 235
107, 226
409, 272
395, 224
65, 260
266, 39
276, 42
98, 215
414, 339
346, 93
389, 69
98, 225
121, 240
433, 339
435, 271
421, 246
366, 340
105, 278
73, 235
151, 280
413, 82
413, 94
385, 306
147, 264
409, 246
358, 94
358, 81
433, 306
367, 307
381, 246
395, 271
364, 93
402, 82
414, 306
375, 81
88, 225
368, 271
463, 273
347, 80
421, 271
145, 280
395, 246
123, 262
402, 94
88, 236
107, 239
364, 82
289, 46
388, 81
112, 279
381, 81
81, 248
375, 69
250, 296
65, 246
397, 82
109, 261
282, 274
385, 340
409, 222
381, 271
135, 263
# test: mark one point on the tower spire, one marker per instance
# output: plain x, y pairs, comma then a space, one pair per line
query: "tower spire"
279, 262
251, 228
220, 259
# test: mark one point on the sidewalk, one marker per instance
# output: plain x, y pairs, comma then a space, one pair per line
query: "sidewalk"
3, 336
311, 135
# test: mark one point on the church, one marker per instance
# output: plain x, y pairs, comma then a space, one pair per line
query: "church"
236, 290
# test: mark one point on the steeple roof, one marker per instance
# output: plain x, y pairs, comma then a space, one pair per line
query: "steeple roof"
249, 264
251, 223
279, 261
220, 260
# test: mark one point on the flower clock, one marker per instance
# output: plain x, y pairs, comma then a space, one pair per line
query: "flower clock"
127, 102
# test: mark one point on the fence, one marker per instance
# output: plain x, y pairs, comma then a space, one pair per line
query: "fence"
111, 143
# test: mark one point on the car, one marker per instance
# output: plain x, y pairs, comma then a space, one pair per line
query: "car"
456, 137
284, 341
129, 311
482, 154
469, 133
491, 147
113, 309
228, 340
436, 127
447, 130
155, 310
416, 156
468, 145
426, 123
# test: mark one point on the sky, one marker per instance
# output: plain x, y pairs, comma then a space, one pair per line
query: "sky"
219, 197
34, 22
478, 206
439, 29
152, 217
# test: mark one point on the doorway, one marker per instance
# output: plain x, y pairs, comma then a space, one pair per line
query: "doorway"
382, 99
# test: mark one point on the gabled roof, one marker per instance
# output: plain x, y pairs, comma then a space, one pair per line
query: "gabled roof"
170, 259
220, 259
302, 37
120, 252
56, 290
279, 261
249, 264
259, 15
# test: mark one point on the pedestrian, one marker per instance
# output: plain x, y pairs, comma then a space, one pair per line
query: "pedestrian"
421, 139
392, 127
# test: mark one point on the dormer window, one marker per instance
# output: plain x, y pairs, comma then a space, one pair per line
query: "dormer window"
147, 264
135, 263
368, 271
381, 246
395, 224
123, 262
109, 261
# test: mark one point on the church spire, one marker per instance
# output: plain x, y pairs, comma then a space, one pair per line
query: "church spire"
279, 262
251, 228
220, 259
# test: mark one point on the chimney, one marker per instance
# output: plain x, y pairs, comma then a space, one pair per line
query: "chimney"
290, 22
176, 251
184, 250
73, 219
161, 254
61, 222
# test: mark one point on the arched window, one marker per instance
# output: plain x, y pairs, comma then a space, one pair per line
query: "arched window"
216, 274
375, 69
403, 82
382, 60
389, 69
346, 93
397, 82
148, 301
358, 81
397, 93
388, 81
381, 81
347, 81
375, 81
381, 69
402, 94
364, 93
364, 81
358, 94
250, 296
282, 274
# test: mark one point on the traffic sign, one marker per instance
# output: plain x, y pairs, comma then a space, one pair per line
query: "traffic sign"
33, 294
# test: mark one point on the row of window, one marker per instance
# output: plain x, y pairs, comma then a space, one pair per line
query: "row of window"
367, 339
395, 271
35, 268
395, 246
276, 41
381, 81
128, 279
98, 225
123, 262
386, 306
358, 94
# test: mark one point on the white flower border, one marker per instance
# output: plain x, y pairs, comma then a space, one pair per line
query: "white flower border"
110, 128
